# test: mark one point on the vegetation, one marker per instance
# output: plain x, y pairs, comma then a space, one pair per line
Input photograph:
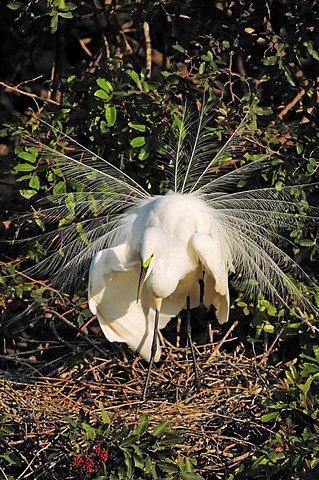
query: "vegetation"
113, 76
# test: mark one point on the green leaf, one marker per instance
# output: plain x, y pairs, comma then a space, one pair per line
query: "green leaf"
289, 77
102, 94
138, 142
137, 126
27, 193
160, 428
310, 367
299, 148
242, 304
66, 14
70, 421
208, 57
275, 456
269, 416
103, 127
134, 76
11, 458
110, 114
129, 462
316, 351
34, 182
306, 386
144, 154
142, 426
129, 441
60, 187
70, 6
148, 465
262, 111
93, 204
16, 5
105, 85
24, 167
187, 466
167, 467
70, 203
202, 68
54, 23
305, 242
295, 233
272, 311
89, 430
241, 183
191, 476
28, 156
179, 48
23, 177
172, 440
311, 50
270, 60
104, 414
138, 461
121, 434
81, 232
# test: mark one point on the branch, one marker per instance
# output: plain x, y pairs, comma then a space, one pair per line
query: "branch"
28, 94
216, 349
303, 317
148, 48
291, 104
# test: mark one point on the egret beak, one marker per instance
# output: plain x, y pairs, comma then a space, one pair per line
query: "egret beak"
143, 275
141, 281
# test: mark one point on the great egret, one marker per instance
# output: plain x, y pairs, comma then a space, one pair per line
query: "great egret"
171, 242
150, 254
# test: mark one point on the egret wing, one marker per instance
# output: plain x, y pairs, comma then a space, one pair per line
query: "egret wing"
113, 282
215, 258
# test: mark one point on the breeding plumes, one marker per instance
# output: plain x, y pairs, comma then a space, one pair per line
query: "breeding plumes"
149, 253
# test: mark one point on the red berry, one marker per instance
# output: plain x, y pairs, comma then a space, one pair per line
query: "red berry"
77, 461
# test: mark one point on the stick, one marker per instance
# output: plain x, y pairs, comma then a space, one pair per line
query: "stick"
32, 95
219, 344
291, 104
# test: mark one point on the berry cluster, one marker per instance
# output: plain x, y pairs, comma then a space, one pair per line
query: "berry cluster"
91, 464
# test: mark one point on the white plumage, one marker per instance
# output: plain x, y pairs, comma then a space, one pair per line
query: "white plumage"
184, 238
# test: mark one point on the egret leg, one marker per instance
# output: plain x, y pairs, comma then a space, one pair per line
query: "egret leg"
190, 342
153, 351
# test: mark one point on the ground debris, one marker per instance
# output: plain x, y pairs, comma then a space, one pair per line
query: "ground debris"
222, 422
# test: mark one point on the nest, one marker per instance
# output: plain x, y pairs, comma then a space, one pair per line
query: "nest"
222, 422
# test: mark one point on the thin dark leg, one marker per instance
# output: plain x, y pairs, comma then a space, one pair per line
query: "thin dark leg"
190, 342
153, 351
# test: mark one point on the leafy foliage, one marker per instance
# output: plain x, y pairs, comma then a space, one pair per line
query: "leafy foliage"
132, 452
97, 450
293, 449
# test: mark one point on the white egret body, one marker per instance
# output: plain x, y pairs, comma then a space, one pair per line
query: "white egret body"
182, 237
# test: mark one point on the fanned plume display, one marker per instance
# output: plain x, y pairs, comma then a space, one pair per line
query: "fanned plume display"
111, 219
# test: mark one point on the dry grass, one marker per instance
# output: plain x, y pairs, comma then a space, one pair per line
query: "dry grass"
222, 422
